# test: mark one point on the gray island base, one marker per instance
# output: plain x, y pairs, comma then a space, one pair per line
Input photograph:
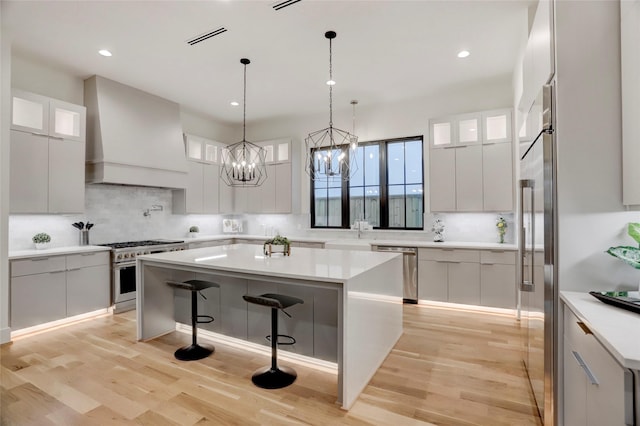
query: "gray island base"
351, 315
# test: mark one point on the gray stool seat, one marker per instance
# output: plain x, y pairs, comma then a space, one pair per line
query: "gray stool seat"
194, 351
274, 377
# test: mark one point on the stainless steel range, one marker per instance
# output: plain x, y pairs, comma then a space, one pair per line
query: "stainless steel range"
123, 268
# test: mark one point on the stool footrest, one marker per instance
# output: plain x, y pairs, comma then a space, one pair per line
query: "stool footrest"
206, 319
292, 340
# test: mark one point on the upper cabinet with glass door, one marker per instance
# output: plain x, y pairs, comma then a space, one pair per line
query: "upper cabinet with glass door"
456, 130
47, 117
276, 150
201, 149
497, 126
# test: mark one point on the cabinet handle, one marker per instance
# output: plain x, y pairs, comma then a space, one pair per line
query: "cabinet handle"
584, 327
56, 272
39, 134
586, 369
87, 254
447, 249
74, 269
496, 251
449, 147
489, 264
56, 137
39, 259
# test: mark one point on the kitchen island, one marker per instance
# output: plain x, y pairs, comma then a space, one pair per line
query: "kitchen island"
352, 311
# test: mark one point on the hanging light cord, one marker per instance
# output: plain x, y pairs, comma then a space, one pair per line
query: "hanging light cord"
244, 107
330, 87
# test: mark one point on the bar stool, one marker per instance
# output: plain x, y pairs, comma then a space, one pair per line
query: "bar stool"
194, 351
274, 377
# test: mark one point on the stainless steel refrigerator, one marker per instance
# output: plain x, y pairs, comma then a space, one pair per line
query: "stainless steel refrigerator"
538, 290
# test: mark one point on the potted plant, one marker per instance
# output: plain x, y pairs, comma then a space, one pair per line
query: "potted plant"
193, 231
501, 224
277, 244
628, 254
41, 240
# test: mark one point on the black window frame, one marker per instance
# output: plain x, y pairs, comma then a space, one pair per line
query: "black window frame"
384, 188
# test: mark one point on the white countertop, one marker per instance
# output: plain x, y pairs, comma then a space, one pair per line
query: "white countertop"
54, 251
616, 329
345, 243
304, 263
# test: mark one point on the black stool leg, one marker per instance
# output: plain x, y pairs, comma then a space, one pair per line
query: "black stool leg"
194, 351
274, 377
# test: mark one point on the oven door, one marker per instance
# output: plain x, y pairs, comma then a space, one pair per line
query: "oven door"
124, 282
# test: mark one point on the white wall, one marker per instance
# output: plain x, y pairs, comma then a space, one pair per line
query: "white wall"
375, 122
5, 89
591, 215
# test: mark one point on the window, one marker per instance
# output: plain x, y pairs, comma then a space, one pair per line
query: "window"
387, 190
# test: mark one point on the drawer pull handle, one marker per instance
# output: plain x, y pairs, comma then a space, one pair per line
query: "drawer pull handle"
74, 269
87, 254
39, 259
584, 327
586, 369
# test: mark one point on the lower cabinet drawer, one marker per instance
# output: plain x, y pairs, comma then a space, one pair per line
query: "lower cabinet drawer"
449, 255
37, 265
83, 260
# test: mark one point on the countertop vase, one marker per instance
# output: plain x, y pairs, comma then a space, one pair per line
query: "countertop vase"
41, 246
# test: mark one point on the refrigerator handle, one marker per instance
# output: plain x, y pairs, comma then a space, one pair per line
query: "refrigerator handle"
524, 284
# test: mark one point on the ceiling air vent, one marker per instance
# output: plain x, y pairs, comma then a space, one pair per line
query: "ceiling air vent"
206, 36
283, 4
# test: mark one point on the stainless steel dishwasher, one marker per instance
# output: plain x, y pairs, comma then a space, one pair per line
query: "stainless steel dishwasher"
409, 271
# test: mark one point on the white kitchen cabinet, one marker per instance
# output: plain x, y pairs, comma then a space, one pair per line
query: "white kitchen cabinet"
276, 190
471, 164
47, 155
469, 194
464, 283
476, 277
595, 385
469, 129
29, 177
433, 280
442, 132
442, 180
497, 177
498, 279
49, 288
202, 194
38, 299
225, 197
88, 289
211, 243
451, 272
497, 126
211, 188
30, 112
66, 176
38, 291
275, 193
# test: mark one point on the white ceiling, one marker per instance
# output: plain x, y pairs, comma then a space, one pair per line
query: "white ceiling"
385, 51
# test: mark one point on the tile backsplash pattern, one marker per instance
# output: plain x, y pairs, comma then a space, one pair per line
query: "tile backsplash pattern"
118, 214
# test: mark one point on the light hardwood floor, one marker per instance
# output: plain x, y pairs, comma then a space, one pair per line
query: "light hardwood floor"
448, 368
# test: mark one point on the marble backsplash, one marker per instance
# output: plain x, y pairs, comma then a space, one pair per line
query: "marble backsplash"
118, 214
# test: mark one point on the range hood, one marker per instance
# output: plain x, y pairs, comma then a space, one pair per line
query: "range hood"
133, 137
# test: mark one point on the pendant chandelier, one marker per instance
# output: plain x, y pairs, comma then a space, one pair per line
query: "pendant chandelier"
243, 163
329, 149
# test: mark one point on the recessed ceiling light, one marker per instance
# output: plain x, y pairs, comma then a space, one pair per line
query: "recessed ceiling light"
463, 54
330, 82
234, 103
104, 52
